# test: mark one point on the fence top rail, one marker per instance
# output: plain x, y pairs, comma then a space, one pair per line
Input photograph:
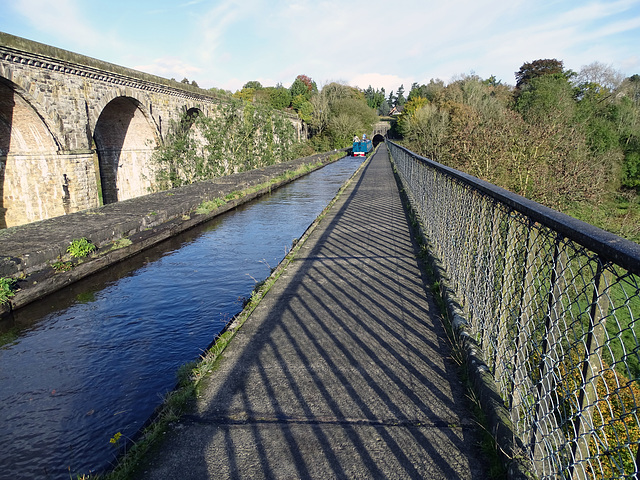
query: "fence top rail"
610, 247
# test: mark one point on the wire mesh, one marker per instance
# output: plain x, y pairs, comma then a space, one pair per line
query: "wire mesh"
556, 311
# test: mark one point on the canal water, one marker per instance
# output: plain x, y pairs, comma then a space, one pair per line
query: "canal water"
97, 358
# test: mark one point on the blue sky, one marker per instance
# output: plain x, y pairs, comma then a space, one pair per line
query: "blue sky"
225, 43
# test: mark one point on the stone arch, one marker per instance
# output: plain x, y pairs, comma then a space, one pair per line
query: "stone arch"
124, 141
44, 109
189, 122
33, 177
377, 139
98, 106
189, 116
193, 111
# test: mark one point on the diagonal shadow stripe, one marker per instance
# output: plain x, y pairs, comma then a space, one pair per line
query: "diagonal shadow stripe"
342, 370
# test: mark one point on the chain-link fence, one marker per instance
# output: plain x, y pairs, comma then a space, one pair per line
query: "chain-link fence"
554, 304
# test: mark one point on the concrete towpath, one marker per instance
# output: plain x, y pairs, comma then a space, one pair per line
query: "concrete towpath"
343, 370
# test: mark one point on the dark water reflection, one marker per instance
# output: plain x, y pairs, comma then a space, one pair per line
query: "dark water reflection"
97, 358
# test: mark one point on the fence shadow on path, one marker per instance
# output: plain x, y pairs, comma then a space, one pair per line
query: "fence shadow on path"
344, 370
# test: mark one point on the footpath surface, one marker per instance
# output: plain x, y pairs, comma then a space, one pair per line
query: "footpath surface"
342, 371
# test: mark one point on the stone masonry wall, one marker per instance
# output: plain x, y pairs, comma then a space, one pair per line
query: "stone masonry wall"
58, 109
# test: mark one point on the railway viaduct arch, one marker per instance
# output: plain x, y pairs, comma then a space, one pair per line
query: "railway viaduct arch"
76, 131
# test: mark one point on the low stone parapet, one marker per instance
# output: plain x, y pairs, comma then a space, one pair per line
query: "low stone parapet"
29, 253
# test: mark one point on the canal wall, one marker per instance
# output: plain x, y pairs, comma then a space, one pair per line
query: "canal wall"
35, 254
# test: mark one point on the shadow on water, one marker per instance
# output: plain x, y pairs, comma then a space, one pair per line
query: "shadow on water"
96, 358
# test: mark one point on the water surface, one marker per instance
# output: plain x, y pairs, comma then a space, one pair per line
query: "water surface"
97, 358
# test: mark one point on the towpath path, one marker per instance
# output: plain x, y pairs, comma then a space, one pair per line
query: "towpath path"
343, 370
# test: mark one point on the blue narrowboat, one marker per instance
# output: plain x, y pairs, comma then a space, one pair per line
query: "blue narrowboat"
361, 148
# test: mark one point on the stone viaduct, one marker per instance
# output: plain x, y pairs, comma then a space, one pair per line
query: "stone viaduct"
76, 132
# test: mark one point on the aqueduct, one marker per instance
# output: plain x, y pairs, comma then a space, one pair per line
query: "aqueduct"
76, 131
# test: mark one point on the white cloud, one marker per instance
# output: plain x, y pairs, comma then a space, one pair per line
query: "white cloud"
225, 43
63, 18
171, 67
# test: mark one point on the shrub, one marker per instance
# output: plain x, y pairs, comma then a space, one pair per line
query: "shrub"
80, 248
6, 289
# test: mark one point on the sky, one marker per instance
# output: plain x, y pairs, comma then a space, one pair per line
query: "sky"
385, 44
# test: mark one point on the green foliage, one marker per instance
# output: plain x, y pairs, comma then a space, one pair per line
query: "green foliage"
241, 136
400, 100
121, 243
303, 106
246, 94
7, 286
80, 247
376, 98
279, 97
547, 98
631, 169
256, 85
335, 115
221, 92
384, 109
61, 266
429, 91
209, 206
349, 117
553, 141
302, 149
177, 159
425, 126
303, 85
530, 70
305, 110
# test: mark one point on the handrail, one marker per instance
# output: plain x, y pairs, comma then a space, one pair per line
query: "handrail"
553, 304
613, 247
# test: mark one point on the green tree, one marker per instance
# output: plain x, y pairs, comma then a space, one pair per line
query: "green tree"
256, 85
349, 117
247, 94
417, 91
383, 109
424, 127
492, 81
400, 100
339, 113
530, 70
626, 116
303, 85
305, 111
572, 141
303, 107
548, 99
375, 98
279, 97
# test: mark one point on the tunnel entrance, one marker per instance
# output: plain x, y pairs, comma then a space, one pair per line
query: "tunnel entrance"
377, 139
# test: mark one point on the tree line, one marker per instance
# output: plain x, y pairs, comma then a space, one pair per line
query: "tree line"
248, 132
333, 114
569, 140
